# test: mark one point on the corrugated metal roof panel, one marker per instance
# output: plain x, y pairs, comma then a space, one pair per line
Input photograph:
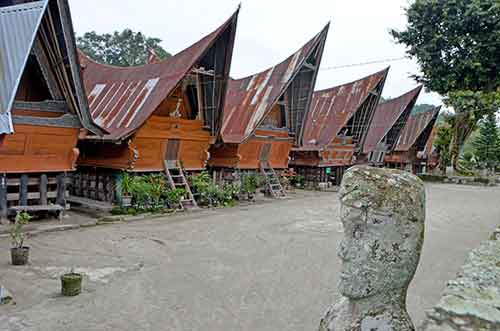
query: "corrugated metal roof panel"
121, 99
386, 116
415, 126
331, 109
250, 99
18, 27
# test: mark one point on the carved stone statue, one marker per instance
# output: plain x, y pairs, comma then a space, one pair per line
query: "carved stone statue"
383, 213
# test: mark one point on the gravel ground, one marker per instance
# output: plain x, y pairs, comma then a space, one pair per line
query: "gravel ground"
270, 266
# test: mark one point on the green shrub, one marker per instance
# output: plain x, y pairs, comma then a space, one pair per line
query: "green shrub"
297, 180
174, 197
249, 185
210, 194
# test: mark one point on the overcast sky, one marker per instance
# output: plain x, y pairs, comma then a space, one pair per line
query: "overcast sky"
269, 31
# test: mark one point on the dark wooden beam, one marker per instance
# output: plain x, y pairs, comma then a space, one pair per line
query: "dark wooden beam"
61, 190
43, 189
46, 106
23, 190
310, 66
65, 121
3, 200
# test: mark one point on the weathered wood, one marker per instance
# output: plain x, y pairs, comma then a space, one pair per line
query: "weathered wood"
34, 149
31, 181
58, 107
90, 203
61, 190
37, 208
43, 189
23, 190
31, 196
3, 199
64, 121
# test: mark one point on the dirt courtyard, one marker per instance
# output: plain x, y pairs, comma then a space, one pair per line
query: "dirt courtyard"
271, 266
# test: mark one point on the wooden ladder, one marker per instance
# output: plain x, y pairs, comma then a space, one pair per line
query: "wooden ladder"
272, 180
176, 178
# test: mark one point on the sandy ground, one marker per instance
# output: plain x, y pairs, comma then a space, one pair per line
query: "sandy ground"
271, 266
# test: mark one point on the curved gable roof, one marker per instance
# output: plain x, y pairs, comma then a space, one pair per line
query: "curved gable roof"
20, 27
331, 109
415, 126
121, 99
386, 116
250, 99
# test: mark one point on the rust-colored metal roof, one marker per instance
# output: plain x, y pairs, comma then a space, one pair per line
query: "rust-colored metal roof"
250, 99
387, 115
417, 123
121, 99
331, 109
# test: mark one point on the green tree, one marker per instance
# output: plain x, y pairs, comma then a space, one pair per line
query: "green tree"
124, 49
423, 107
470, 108
442, 143
457, 45
487, 144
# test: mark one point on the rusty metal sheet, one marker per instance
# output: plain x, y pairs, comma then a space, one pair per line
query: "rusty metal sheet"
121, 99
331, 109
386, 116
250, 99
416, 125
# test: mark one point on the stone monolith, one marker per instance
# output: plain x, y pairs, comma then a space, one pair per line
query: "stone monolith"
382, 213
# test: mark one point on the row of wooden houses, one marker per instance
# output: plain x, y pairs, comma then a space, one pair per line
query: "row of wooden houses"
69, 126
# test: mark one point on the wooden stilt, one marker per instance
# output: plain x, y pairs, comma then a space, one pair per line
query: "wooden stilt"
43, 190
23, 190
3, 200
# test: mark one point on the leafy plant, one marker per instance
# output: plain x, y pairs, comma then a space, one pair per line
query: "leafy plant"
16, 232
297, 180
174, 197
127, 181
210, 194
249, 185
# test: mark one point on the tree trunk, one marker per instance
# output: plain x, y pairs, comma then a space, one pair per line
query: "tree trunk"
463, 128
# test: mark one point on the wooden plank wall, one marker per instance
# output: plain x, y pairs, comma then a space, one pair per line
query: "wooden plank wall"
39, 149
247, 154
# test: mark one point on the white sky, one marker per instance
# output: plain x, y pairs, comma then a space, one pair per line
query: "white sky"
269, 31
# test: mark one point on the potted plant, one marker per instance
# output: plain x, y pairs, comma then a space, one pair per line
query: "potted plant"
127, 183
174, 197
71, 284
249, 184
19, 253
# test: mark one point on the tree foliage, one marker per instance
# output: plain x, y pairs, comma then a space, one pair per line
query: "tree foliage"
423, 107
456, 43
124, 49
442, 143
470, 107
487, 144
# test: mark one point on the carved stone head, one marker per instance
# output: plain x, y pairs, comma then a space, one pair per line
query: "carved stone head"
383, 213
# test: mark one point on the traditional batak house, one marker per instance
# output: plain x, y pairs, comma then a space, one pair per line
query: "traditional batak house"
264, 116
162, 116
414, 144
42, 105
388, 123
336, 128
